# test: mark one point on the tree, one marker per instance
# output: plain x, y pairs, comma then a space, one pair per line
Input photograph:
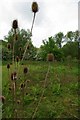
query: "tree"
23, 40
76, 35
58, 38
49, 46
69, 36
71, 49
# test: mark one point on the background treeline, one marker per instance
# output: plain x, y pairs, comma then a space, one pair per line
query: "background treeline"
62, 46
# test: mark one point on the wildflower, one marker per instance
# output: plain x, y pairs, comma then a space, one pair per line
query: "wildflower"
34, 7
15, 24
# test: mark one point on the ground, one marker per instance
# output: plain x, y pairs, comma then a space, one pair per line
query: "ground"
60, 98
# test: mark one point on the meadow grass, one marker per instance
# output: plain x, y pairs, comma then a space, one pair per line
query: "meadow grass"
60, 99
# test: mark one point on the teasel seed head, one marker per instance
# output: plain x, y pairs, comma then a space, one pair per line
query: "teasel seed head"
8, 66
2, 98
26, 93
22, 85
10, 88
34, 7
17, 59
25, 70
20, 48
9, 46
15, 24
50, 57
18, 101
28, 47
13, 76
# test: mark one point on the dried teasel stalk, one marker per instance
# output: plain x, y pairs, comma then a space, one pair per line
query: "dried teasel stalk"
16, 37
34, 10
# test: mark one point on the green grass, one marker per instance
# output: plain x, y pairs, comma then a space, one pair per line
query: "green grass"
60, 99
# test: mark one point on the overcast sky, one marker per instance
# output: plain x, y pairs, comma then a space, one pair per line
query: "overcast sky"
53, 16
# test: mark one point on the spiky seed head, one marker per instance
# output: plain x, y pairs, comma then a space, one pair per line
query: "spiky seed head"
25, 70
26, 93
8, 66
2, 98
10, 88
28, 81
9, 46
22, 85
34, 7
13, 76
28, 47
17, 59
15, 24
18, 101
20, 49
50, 57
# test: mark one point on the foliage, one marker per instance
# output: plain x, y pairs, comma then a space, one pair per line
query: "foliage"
60, 98
24, 38
6, 54
71, 49
50, 47
58, 38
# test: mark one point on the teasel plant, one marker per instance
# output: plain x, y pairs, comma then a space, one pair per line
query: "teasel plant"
14, 27
25, 71
8, 65
14, 75
14, 72
34, 10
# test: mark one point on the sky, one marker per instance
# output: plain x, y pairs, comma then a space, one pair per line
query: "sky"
53, 16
